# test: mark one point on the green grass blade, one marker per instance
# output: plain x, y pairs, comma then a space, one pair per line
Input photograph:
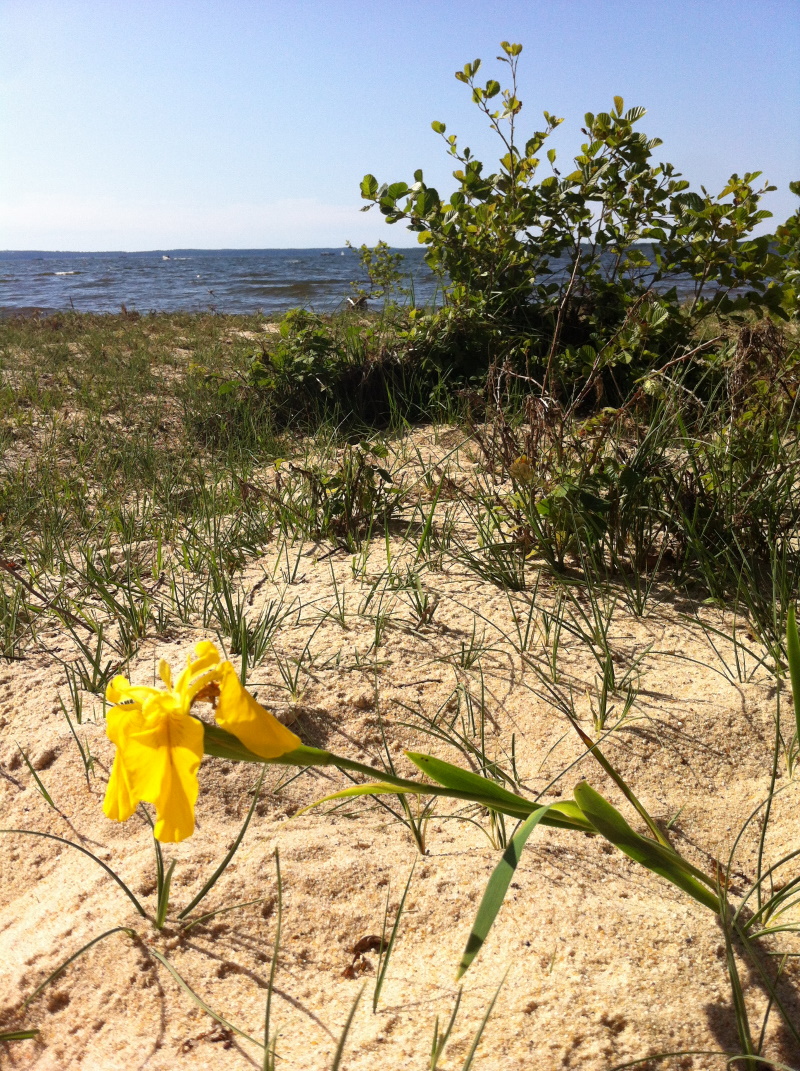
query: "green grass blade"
269, 1056
163, 896
18, 1035
793, 653
198, 999
386, 956
221, 911
739, 1004
623, 786
648, 853
380, 789
209, 885
440, 1040
39, 783
72, 958
496, 890
769, 984
337, 1056
479, 1033
71, 844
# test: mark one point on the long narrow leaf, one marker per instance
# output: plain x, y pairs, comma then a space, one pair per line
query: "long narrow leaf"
163, 896
793, 652
621, 783
479, 1032
386, 955
496, 890
199, 1000
18, 1035
337, 1056
380, 789
209, 885
649, 853
39, 783
72, 958
269, 1054
490, 794
221, 911
72, 844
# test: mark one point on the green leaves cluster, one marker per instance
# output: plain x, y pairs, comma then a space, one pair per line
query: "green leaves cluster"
539, 265
383, 269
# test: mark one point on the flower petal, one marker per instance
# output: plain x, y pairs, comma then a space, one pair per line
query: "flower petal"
165, 673
160, 756
116, 689
241, 715
120, 801
120, 690
206, 657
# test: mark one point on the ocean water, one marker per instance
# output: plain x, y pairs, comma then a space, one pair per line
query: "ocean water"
195, 280
222, 280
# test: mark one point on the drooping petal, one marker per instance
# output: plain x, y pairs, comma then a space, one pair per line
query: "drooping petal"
240, 714
121, 799
178, 793
160, 757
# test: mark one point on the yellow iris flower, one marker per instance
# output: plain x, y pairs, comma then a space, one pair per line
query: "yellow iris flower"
160, 745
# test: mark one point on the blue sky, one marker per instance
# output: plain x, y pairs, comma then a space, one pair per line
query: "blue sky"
142, 124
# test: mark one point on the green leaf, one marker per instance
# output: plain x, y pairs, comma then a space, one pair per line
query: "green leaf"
209, 885
619, 104
199, 1000
649, 853
163, 899
369, 186
437, 127
76, 955
18, 1035
465, 781
491, 794
72, 844
633, 114
492, 88
496, 890
397, 189
793, 652
380, 789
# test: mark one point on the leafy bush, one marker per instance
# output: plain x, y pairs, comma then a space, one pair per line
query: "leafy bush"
383, 269
555, 272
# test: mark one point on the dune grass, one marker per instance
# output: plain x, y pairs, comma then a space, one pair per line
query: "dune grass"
133, 495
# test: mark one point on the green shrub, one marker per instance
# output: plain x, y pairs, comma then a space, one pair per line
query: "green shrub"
554, 272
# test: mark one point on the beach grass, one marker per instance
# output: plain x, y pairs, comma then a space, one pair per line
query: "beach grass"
149, 491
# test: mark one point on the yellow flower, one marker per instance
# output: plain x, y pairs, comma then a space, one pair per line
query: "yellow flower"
160, 745
521, 470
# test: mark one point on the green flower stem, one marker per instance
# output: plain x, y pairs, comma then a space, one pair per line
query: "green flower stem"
224, 745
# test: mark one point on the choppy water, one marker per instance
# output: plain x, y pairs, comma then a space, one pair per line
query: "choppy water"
239, 280
195, 280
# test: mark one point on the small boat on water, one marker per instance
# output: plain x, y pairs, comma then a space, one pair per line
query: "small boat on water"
166, 257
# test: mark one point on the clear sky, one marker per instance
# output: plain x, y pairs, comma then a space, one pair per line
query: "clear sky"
144, 124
